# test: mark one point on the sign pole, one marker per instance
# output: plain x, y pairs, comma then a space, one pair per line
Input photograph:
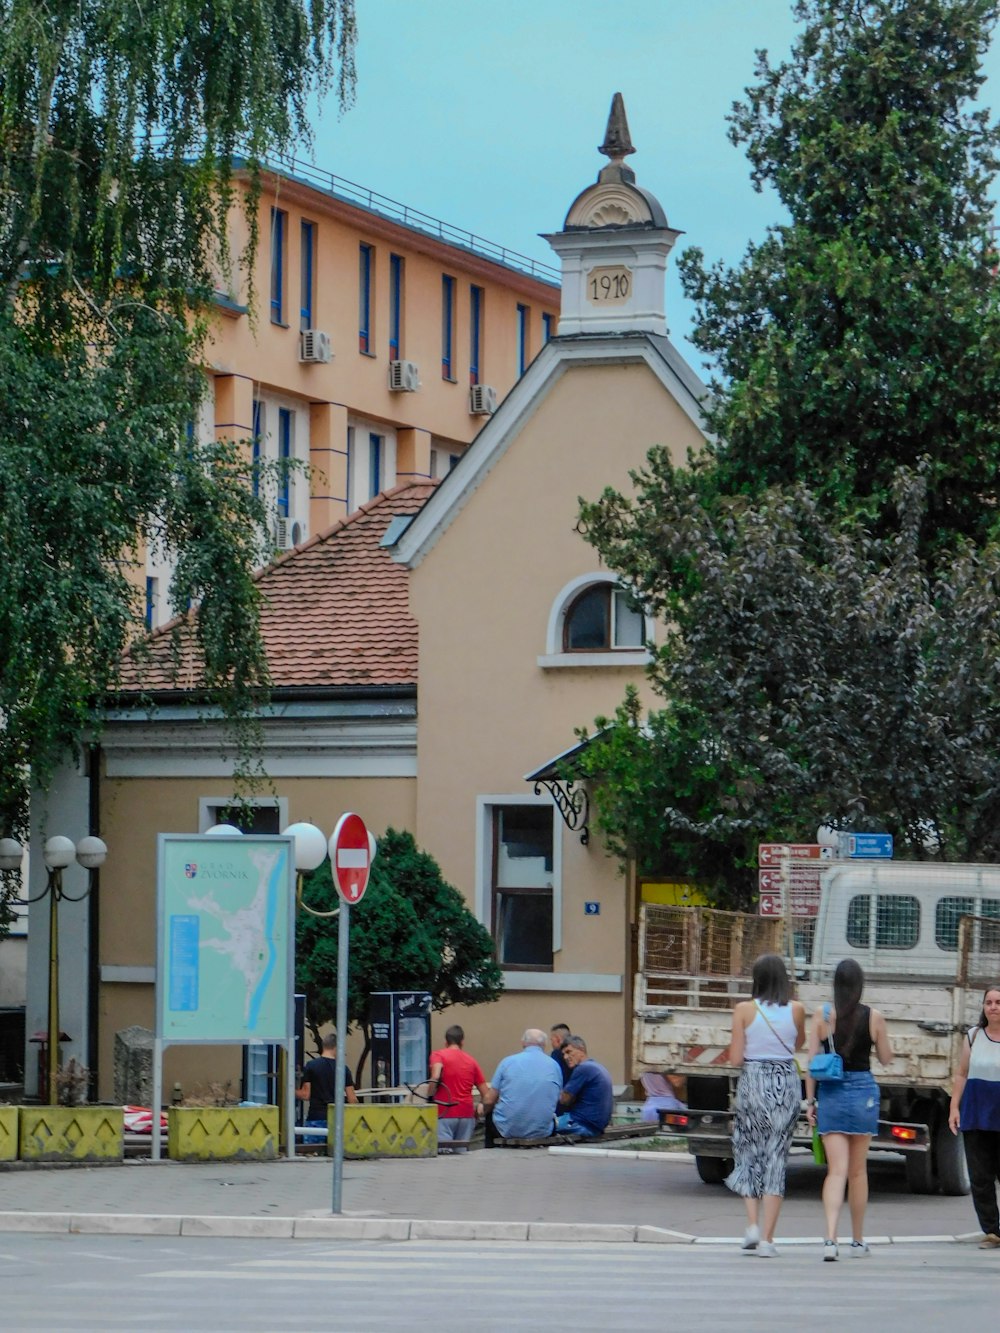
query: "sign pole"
343, 945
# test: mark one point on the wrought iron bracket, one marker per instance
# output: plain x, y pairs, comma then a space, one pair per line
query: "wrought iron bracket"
571, 801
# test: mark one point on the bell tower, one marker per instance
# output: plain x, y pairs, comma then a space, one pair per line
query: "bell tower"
613, 247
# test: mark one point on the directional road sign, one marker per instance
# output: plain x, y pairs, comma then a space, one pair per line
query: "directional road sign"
866, 846
796, 877
773, 853
800, 904
350, 856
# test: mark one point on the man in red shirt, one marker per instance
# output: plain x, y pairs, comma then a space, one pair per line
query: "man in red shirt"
453, 1076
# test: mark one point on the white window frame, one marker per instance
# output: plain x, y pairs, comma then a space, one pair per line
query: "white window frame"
208, 806
554, 656
485, 806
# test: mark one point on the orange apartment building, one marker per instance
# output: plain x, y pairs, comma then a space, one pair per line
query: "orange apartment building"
379, 340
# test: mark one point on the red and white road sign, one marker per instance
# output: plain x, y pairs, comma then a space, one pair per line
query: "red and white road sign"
351, 858
795, 877
773, 853
801, 903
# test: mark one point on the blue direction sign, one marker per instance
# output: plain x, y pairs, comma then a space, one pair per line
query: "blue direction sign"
866, 846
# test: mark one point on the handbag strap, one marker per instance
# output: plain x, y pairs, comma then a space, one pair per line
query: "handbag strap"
784, 1043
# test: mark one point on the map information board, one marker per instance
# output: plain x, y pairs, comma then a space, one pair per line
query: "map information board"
225, 938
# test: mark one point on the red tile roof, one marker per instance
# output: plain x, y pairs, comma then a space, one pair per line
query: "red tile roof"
335, 612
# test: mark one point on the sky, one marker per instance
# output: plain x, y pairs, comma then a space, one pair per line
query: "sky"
487, 114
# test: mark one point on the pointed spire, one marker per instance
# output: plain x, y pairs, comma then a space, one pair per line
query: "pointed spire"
617, 140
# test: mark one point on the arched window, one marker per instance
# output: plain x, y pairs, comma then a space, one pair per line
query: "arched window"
601, 619
593, 622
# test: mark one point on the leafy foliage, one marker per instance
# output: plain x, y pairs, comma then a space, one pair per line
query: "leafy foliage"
812, 674
121, 124
411, 931
863, 333
827, 570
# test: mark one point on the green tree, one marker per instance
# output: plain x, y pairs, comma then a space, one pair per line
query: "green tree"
863, 333
411, 931
121, 126
810, 674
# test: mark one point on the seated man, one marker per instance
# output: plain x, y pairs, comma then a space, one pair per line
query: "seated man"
521, 1103
588, 1093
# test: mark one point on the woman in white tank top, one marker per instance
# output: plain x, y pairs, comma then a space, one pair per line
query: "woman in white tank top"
767, 1031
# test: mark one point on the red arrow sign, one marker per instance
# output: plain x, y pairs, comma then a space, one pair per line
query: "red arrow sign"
773, 853
350, 856
796, 877
770, 904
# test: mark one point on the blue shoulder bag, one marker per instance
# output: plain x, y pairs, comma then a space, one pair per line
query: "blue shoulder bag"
826, 1066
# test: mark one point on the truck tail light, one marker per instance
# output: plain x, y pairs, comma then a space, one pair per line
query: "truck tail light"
673, 1118
903, 1132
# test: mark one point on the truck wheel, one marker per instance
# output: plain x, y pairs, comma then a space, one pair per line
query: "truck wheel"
920, 1177
951, 1168
713, 1170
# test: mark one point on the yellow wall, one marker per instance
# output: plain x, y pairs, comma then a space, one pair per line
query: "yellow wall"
488, 712
134, 811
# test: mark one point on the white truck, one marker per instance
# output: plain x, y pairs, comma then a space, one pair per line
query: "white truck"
928, 938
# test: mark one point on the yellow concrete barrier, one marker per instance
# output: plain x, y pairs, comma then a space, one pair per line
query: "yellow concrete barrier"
222, 1133
8, 1133
388, 1131
71, 1133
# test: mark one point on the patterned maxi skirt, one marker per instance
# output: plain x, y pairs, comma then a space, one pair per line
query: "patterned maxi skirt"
768, 1099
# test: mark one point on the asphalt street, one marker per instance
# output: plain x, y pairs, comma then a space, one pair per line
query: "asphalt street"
102, 1284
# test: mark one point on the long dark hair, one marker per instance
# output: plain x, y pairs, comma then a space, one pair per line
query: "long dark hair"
848, 984
993, 986
770, 980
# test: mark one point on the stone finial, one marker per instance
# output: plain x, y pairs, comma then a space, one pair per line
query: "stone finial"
617, 143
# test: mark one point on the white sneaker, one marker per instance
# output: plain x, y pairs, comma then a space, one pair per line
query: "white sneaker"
831, 1253
767, 1250
859, 1249
751, 1238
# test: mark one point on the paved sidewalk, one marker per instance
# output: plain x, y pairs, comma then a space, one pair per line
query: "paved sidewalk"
562, 1194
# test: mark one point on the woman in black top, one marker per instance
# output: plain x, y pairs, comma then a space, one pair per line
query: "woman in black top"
848, 1110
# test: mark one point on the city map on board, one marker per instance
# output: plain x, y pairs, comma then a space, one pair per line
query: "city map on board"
224, 938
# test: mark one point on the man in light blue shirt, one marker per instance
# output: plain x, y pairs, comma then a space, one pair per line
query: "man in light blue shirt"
521, 1100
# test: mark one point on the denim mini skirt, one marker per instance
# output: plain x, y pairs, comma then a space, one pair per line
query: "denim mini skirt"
850, 1106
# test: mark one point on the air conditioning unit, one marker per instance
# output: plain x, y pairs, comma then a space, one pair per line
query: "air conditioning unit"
314, 345
288, 534
404, 376
482, 400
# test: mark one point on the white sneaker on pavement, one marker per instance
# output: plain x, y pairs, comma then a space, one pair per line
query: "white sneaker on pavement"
751, 1238
831, 1253
859, 1249
767, 1250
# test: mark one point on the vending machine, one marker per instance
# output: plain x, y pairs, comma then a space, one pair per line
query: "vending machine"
401, 1037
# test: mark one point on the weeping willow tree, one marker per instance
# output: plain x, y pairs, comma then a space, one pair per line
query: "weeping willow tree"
122, 125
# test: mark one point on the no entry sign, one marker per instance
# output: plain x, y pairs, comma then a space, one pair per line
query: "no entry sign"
350, 856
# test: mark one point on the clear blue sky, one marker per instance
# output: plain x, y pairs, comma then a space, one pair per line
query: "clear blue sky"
488, 113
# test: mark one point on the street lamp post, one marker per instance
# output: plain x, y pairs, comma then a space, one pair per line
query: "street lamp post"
59, 852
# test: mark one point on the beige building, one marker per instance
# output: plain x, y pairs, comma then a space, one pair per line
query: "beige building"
503, 634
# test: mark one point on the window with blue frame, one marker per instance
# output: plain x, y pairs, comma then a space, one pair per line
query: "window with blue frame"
522, 338
279, 229
308, 263
476, 297
286, 428
365, 258
395, 307
150, 603
447, 326
548, 326
376, 446
257, 446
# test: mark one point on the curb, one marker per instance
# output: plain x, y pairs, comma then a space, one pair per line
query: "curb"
396, 1229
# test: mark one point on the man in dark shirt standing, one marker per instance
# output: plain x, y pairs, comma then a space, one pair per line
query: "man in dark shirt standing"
587, 1099
319, 1085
